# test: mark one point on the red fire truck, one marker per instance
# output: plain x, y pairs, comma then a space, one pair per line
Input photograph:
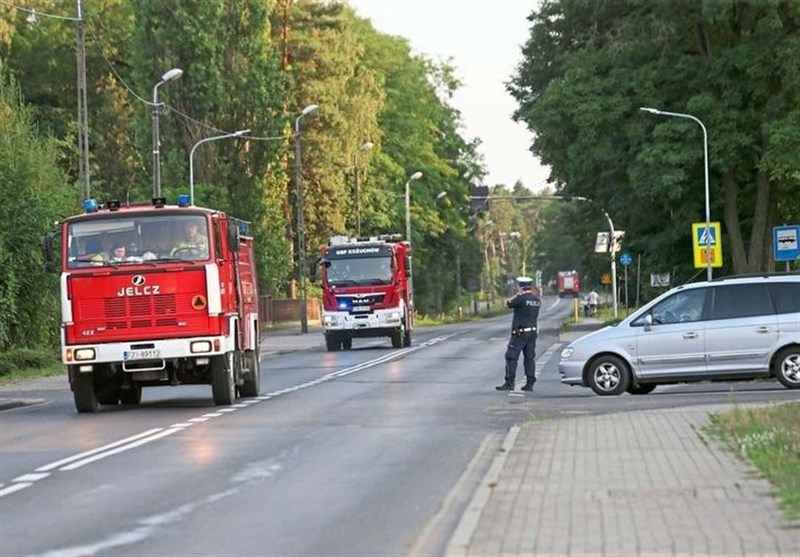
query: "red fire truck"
177, 305
569, 284
367, 290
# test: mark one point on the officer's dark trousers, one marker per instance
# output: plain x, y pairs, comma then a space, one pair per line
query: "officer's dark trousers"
525, 343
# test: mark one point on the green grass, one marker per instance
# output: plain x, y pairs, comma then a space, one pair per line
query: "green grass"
32, 373
769, 437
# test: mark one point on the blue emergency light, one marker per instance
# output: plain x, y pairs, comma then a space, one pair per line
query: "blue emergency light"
90, 205
183, 200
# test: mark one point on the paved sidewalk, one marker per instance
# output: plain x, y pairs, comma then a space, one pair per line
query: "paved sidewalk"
639, 483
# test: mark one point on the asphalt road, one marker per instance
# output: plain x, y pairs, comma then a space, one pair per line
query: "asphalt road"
373, 451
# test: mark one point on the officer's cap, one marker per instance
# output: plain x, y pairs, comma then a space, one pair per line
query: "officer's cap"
525, 282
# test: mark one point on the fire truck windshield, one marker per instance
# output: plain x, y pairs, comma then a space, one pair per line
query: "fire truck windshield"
357, 271
127, 239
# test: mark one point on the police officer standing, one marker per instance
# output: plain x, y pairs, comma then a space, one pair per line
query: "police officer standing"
523, 335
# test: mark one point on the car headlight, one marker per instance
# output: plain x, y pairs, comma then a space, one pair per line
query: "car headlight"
394, 315
567, 353
327, 320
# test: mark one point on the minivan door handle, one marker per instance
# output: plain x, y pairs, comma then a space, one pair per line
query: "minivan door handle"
763, 329
690, 334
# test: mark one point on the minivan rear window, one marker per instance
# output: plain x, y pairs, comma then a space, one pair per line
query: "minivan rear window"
733, 301
785, 296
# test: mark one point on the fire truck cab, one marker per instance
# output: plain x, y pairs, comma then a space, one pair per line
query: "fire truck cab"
156, 294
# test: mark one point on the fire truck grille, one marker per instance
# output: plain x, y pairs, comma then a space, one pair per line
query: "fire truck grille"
132, 312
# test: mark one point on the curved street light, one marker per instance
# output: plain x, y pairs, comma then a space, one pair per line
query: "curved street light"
191, 157
171, 75
705, 162
415, 176
366, 146
301, 239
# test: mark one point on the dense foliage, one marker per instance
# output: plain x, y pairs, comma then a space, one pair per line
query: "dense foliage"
589, 65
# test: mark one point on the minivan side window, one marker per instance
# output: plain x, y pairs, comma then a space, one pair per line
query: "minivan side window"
733, 301
785, 296
683, 307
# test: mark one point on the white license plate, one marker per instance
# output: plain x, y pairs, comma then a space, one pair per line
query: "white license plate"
151, 354
360, 308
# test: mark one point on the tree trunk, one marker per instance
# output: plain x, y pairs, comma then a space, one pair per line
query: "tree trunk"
756, 260
732, 224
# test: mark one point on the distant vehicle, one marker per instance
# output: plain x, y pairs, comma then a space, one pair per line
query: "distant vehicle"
182, 308
367, 290
568, 284
729, 329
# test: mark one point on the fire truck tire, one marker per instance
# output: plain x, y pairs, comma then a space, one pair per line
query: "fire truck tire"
131, 395
347, 343
397, 338
252, 381
407, 338
83, 392
332, 343
223, 386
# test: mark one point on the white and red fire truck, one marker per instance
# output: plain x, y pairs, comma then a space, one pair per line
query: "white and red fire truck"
174, 308
367, 290
568, 284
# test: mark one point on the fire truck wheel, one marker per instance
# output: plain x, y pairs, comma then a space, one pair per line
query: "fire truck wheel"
407, 338
223, 387
252, 381
131, 395
331, 343
397, 339
83, 392
347, 343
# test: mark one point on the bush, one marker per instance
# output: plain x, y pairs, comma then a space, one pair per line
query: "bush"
25, 358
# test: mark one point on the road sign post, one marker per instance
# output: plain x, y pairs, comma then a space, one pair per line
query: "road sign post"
707, 243
625, 260
786, 244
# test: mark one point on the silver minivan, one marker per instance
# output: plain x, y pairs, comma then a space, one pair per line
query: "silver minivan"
728, 329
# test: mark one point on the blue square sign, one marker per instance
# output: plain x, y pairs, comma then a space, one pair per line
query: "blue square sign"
785, 243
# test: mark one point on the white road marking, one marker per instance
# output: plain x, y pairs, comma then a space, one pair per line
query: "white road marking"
31, 477
14, 488
56, 464
123, 448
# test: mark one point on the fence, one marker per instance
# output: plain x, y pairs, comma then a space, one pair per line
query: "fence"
279, 310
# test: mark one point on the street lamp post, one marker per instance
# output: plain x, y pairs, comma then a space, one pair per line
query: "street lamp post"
705, 161
612, 247
172, 74
366, 146
301, 239
191, 157
415, 176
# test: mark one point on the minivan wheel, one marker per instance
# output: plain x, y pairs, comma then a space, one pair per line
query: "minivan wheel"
787, 367
643, 389
608, 375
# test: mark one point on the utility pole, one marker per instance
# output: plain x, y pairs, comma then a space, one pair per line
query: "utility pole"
83, 117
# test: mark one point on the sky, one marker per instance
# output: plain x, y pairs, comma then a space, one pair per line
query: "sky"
482, 40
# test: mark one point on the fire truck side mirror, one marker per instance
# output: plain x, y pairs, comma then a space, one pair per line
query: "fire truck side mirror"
47, 251
233, 236
407, 264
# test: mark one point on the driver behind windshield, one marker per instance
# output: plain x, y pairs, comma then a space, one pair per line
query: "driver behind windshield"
193, 242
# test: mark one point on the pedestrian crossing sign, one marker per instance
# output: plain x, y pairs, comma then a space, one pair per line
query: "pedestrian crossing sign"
707, 243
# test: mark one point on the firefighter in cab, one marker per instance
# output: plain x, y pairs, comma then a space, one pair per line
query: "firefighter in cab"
526, 305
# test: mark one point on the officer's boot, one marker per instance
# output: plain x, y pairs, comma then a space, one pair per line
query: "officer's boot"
528, 386
507, 386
